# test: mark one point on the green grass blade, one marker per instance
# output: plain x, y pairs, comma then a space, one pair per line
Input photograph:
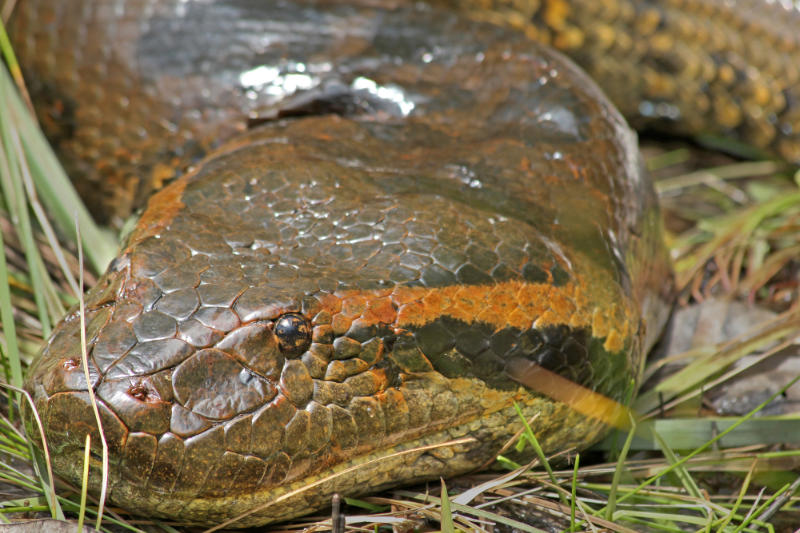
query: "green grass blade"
11, 351
612, 496
13, 191
573, 502
685, 433
742, 491
531, 438
686, 458
680, 470
55, 190
85, 483
447, 513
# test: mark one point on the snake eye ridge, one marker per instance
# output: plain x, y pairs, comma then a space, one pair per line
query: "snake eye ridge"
294, 334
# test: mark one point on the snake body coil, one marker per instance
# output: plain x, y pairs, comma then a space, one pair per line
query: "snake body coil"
391, 218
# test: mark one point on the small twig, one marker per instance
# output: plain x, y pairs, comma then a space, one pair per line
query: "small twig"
87, 377
779, 502
337, 517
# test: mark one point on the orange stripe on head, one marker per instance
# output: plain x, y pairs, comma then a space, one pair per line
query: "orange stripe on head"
161, 210
509, 304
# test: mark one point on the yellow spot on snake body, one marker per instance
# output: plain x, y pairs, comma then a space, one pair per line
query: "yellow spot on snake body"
570, 38
603, 36
599, 323
614, 341
556, 13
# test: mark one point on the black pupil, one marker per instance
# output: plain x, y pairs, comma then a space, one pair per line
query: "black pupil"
293, 333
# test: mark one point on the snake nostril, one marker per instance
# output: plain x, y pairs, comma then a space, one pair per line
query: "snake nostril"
142, 392
294, 334
70, 364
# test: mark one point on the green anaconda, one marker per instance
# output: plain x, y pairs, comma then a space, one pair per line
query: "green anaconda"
383, 216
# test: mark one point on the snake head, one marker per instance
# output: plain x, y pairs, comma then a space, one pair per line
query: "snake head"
329, 304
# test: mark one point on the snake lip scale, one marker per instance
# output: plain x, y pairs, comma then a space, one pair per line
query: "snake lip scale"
380, 220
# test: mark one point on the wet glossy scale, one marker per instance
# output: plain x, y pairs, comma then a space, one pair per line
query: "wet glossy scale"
420, 204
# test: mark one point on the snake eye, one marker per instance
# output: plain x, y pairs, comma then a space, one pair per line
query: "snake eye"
293, 334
